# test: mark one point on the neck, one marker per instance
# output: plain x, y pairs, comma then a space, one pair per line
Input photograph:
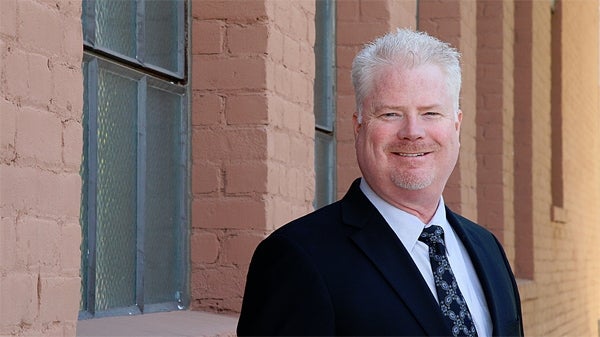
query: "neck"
421, 203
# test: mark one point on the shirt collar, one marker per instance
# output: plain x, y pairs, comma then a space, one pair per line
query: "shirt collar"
407, 227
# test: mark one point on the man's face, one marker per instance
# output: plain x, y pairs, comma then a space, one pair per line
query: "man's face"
408, 139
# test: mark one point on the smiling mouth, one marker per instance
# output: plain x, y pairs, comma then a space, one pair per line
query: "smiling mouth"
403, 154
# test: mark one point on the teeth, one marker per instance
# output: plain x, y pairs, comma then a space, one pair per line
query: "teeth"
411, 154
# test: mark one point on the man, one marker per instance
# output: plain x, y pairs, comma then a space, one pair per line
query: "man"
363, 265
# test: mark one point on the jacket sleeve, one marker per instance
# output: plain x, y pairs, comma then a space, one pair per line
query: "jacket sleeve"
285, 294
516, 328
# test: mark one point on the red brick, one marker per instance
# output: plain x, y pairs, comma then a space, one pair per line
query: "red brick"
72, 141
71, 46
307, 126
307, 61
28, 249
8, 239
206, 178
301, 22
359, 33
347, 10
16, 67
67, 96
224, 213
374, 10
40, 79
37, 24
204, 247
236, 144
277, 184
230, 10
43, 191
229, 73
279, 143
281, 211
19, 298
348, 154
208, 37
251, 39
207, 109
212, 286
300, 151
291, 57
439, 9
246, 177
63, 290
69, 249
247, 109
48, 241
403, 14
8, 24
31, 123
238, 248
8, 130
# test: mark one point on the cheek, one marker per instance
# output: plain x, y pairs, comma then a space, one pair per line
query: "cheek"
379, 136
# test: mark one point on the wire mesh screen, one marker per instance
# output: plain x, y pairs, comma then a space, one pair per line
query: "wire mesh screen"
116, 191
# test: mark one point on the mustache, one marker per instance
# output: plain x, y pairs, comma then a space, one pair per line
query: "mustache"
413, 147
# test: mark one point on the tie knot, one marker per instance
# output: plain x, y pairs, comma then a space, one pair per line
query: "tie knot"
432, 236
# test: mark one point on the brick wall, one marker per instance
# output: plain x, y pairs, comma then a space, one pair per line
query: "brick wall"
41, 97
252, 72
252, 135
567, 295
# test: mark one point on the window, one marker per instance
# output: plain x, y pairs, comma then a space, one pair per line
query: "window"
324, 101
134, 196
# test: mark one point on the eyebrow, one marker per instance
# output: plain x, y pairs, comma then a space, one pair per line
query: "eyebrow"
402, 108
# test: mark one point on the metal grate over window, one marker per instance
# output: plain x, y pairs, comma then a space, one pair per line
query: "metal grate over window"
134, 205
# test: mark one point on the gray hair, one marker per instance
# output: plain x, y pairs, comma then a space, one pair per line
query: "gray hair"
408, 49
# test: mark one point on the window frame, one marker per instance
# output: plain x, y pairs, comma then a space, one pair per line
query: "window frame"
145, 75
89, 38
324, 104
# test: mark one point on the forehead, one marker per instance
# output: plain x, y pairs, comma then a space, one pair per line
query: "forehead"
420, 86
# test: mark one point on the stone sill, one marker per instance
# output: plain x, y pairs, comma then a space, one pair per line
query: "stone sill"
167, 324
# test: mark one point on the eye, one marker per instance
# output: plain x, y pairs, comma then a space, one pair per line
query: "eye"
389, 115
432, 114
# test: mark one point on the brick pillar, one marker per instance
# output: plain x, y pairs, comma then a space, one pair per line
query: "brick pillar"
359, 22
252, 135
494, 114
523, 135
41, 139
455, 22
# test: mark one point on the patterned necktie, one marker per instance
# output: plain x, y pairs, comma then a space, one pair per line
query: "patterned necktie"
452, 303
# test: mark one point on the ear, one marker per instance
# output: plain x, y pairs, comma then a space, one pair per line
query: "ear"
356, 124
458, 121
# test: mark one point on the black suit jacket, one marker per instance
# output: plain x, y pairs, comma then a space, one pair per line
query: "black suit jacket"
341, 270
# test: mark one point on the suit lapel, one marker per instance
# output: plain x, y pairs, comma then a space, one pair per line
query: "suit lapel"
486, 267
380, 244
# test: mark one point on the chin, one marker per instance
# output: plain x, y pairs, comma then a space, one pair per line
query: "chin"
412, 183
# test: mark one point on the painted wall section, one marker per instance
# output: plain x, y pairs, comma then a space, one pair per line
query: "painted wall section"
41, 98
252, 135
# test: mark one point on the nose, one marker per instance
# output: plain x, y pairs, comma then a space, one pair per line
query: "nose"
411, 128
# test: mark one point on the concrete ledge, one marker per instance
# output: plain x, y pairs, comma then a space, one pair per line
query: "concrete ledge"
167, 324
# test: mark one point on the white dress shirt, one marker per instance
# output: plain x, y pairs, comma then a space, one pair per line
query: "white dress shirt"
408, 228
